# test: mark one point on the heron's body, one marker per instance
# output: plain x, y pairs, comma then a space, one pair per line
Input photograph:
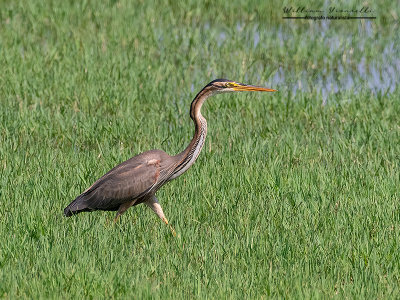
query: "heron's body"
137, 180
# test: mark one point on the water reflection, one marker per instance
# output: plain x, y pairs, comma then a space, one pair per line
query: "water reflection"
379, 75
339, 70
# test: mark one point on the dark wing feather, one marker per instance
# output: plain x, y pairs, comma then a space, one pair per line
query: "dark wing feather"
130, 180
122, 185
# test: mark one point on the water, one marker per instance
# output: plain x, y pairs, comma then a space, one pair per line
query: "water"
378, 74
340, 70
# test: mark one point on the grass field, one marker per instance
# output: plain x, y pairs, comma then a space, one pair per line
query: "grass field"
295, 194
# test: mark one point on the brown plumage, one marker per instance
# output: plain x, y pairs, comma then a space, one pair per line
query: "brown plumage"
137, 180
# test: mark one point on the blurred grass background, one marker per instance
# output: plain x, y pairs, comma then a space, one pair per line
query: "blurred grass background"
296, 193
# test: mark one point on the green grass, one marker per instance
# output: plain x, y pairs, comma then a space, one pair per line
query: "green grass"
291, 197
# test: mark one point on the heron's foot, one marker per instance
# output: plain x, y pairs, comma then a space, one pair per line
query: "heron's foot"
170, 226
107, 222
173, 231
116, 218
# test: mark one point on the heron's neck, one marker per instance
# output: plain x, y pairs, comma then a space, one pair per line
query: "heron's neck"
188, 156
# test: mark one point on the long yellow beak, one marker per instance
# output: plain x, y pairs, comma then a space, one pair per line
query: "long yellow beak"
252, 88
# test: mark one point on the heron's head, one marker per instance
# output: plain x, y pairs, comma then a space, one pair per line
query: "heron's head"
225, 86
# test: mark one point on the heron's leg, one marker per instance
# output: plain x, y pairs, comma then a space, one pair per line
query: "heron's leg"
123, 207
153, 203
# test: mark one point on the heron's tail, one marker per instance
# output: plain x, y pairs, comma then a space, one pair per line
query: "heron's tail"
75, 207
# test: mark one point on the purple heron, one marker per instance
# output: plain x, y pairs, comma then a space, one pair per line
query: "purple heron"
137, 180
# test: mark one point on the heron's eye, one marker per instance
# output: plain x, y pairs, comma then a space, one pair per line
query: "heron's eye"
229, 84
